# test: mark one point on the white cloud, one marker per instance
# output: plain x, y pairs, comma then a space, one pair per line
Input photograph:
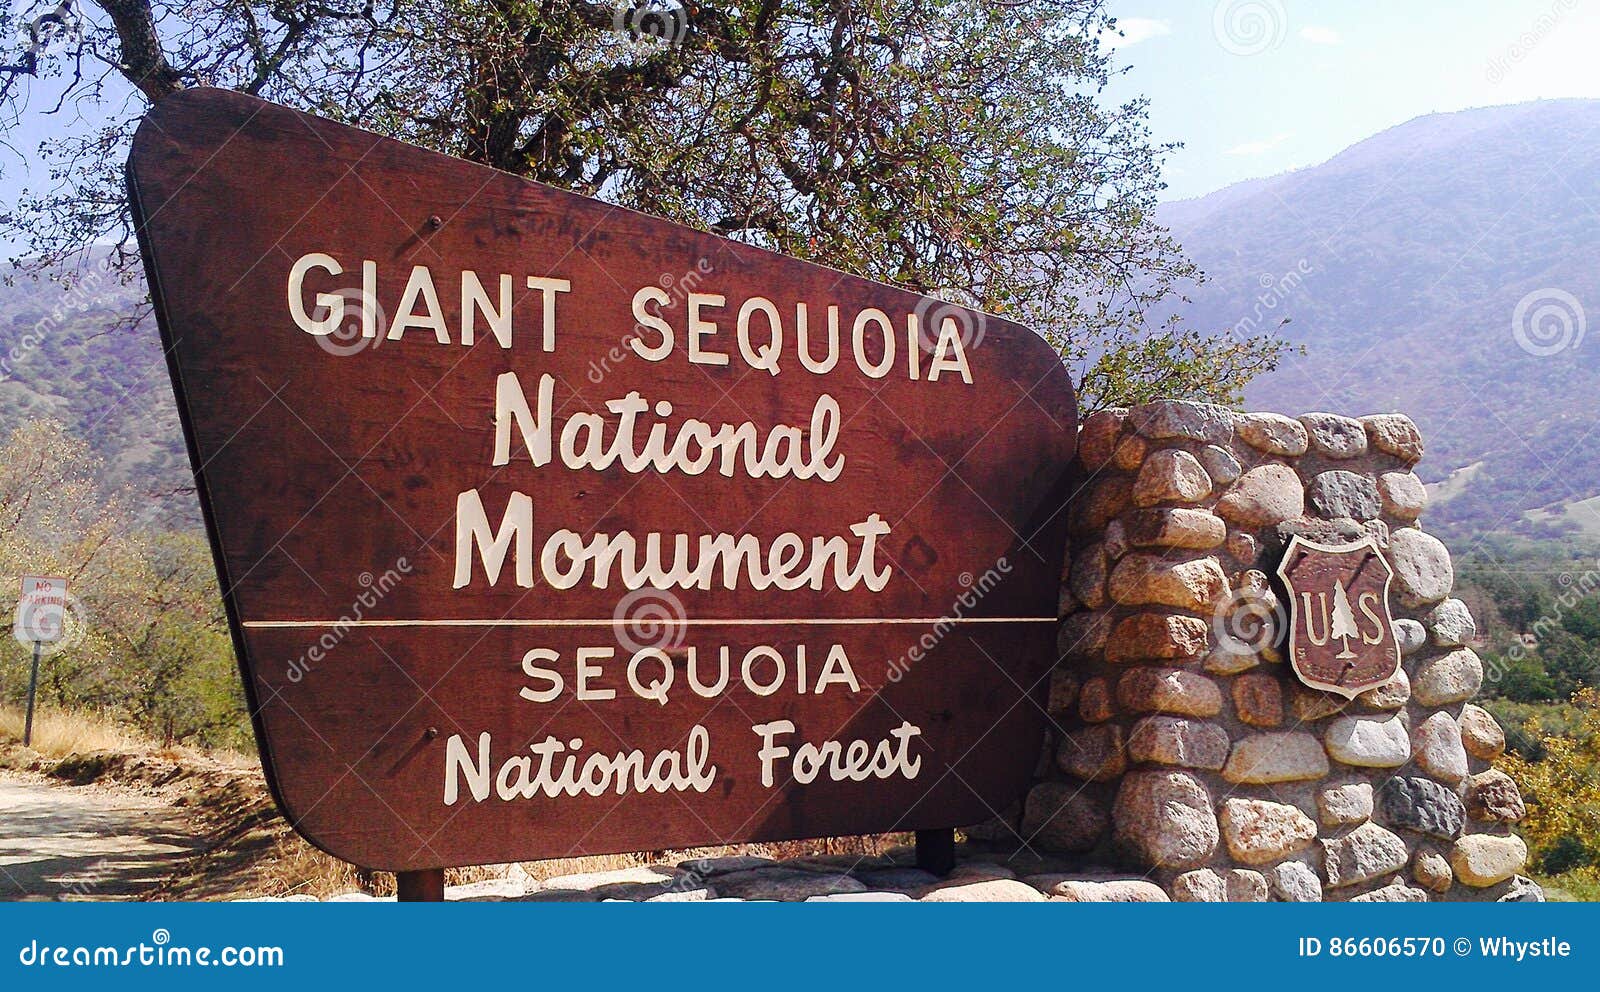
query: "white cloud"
1137, 29
1319, 35
1259, 147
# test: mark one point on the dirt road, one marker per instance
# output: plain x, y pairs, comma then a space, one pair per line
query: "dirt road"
85, 842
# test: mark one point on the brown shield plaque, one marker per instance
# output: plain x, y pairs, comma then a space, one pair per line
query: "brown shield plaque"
547, 528
1341, 635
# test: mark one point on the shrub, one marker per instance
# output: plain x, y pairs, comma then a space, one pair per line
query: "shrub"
1562, 790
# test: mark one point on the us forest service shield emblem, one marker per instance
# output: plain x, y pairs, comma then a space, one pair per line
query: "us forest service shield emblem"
1341, 634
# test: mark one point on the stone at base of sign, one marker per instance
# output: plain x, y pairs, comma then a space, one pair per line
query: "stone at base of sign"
861, 878
1294, 802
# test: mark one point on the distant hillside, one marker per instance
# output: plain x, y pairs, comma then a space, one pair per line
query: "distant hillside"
1402, 262
67, 353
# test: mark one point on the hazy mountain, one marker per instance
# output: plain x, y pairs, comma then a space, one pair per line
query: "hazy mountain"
69, 352
1433, 269
1401, 263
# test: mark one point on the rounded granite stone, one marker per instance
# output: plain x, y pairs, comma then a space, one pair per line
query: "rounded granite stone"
1157, 637
1154, 580
1394, 434
1410, 635
1243, 547
1244, 885
1130, 452
1263, 497
1104, 500
1258, 699
1259, 832
1416, 803
1168, 690
1422, 571
1494, 798
1097, 437
1451, 624
1481, 734
1093, 753
1161, 420
1333, 436
1395, 891
1364, 853
1403, 495
1392, 695
1063, 691
1272, 433
1171, 475
1432, 870
1165, 819
1345, 803
1293, 881
1452, 678
1337, 493
1481, 860
1200, 885
1173, 527
1094, 701
1108, 890
1269, 758
1061, 816
1170, 740
1220, 464
1082, 636
1087, 581
1436, 748
1369, 742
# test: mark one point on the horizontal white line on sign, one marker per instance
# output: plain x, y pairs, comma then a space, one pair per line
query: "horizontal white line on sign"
685, 622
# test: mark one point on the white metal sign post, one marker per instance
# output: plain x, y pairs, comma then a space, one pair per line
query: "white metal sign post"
41, 614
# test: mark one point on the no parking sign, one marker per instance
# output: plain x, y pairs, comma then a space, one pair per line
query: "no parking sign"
41, 611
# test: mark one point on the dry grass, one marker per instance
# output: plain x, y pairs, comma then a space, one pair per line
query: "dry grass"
293, 867
252, 851
59, 733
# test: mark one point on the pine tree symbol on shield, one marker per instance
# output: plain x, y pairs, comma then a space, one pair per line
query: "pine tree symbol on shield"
1343, 623
1341, 633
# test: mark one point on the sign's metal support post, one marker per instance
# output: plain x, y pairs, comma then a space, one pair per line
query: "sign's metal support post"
33, 688
936, 851
420, 886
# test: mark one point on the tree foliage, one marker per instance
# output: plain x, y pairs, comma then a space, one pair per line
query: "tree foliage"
145, 636
1562, 790
958, 147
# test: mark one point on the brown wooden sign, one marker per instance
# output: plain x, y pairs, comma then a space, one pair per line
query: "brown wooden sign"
1341, 634
547, 528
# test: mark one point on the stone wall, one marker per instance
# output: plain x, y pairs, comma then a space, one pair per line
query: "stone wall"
1182, 746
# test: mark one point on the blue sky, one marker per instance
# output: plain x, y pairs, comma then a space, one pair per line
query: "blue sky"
1257, 87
